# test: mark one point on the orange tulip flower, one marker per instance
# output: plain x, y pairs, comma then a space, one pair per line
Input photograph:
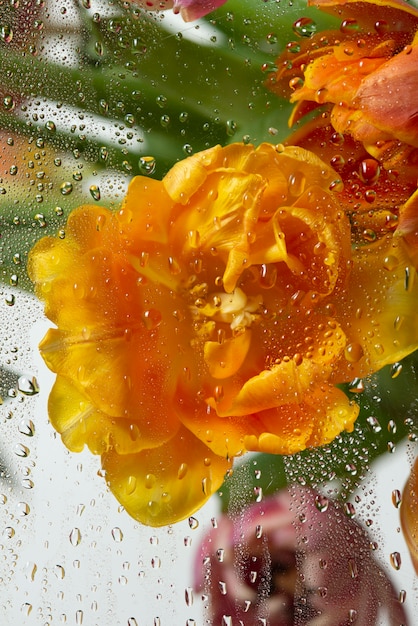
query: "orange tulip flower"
409, 514
366, 72
215, 313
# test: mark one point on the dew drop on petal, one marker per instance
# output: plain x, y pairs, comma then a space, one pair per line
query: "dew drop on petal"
321, 503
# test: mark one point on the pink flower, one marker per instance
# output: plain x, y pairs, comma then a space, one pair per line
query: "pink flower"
189, 9
295, 558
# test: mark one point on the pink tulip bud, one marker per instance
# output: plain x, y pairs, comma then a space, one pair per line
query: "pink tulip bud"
295, 558
189, 9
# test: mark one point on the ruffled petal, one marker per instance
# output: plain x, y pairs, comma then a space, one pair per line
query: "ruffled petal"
288, 382
166, 484
325, 413
225, 359
80, 423
185, 177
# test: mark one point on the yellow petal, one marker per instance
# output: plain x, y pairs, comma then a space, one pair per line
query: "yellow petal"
167, 484
78, 420
138, 219
186, 176
289, 381
292, 428
225, 359
378, 309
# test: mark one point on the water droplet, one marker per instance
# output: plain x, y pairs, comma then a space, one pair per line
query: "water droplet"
103, 153
231, 128
8, 103
353, 352
188, 594
28, 387
193, 523
349, 509
396, 498
182, 471
391, 447
348, 26
66, 188
6, 33
165, 121
59, 571
10, 299
155, 562
151, 318
9, 532
352, 568
95, 192
258, 492
117, 534
402, 596
147, 165
26, 608
356, 386
79, 617
27, 427
31, 569
369, 171
222, 587
373, 422
392, 426
304, 27
22, 509
321, 503
75, 537
21, 450
395, 560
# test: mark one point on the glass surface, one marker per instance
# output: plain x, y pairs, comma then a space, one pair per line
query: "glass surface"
92, 94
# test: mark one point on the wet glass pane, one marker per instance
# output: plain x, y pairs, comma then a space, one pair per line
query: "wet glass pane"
208, 312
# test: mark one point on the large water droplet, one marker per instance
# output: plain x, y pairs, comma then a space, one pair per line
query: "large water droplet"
75, 537
28, 387
395, 560
304, 27
147, 165
95, 192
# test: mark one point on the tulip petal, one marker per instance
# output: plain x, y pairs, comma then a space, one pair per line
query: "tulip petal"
224, 359
288, 382
166, 484
80, 424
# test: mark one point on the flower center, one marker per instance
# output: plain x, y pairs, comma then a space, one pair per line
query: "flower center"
236, 308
